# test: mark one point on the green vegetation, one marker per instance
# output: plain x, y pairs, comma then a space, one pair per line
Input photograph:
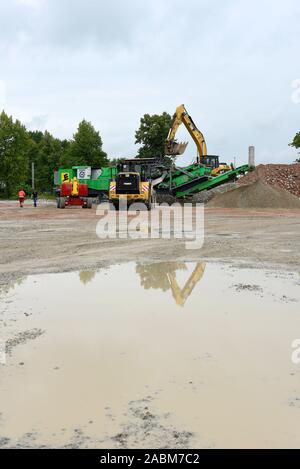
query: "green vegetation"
20, 147
152, 135
86, 148
296, 144
14, 154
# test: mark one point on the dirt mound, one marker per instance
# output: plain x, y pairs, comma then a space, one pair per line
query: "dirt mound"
285, 176
256, 195
206, 195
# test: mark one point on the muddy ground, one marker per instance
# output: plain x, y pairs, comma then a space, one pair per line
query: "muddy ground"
86, 364
46, 239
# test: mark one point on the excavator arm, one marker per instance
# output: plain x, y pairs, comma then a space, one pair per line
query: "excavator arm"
172, 147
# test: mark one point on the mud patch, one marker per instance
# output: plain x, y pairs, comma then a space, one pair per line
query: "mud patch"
22, 338
146, 429
246, 287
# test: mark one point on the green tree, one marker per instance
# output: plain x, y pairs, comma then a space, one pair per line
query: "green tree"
65, 155
36, 135
14, 145
152, 135
86, 147
47, 159
296, 143
47, 153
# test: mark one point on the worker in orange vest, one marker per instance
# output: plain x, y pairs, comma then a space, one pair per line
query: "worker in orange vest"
21, 197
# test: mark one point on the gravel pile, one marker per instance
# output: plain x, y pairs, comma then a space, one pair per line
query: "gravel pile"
256, 195
284, 176
206, 195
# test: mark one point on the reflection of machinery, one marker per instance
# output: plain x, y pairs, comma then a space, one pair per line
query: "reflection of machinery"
173, 148
132, 184
181, 294
72, 192
162, 275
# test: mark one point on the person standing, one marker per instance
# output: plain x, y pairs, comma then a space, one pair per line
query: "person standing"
35, 197
21, 195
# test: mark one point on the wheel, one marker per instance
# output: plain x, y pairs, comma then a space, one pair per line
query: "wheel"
58, 202
113, 205
62, 202
89, 202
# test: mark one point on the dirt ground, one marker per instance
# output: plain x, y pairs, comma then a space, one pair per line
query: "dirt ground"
46, 239
223, 352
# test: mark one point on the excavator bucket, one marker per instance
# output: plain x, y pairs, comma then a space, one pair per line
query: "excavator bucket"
174, 148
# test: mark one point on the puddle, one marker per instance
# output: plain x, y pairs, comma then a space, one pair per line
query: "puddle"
151, 355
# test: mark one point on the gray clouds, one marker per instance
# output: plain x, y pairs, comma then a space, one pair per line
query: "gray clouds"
231, 63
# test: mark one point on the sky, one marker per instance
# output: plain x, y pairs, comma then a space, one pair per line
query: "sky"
234, 64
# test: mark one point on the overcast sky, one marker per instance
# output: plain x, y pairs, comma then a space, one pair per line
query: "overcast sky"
233, 63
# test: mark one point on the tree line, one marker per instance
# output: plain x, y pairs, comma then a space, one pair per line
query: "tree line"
19, 148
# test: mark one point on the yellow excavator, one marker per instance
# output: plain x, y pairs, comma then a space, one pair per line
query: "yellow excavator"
173, 148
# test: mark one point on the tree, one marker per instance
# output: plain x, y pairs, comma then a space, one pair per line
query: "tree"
156, 275
152, 135
14, 145
86, 147
48, 158
296, 144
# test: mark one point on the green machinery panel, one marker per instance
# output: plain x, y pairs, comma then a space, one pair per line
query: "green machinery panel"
97, 179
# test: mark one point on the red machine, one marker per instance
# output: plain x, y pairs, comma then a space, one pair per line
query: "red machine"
74, 193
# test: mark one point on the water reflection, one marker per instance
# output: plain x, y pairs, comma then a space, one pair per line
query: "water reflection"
87, 276
162, 275
11, 285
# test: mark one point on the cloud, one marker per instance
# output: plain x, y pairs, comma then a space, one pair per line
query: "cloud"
231, 63
31, 3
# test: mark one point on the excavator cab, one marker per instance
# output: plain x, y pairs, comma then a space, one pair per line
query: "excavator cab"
211, 161
173, 148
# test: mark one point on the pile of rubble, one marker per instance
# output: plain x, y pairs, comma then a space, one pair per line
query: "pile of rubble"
256, 195
284, 176
206, 195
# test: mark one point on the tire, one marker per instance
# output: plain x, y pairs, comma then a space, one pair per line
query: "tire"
113, 206
58, 202
89, 202
62, 202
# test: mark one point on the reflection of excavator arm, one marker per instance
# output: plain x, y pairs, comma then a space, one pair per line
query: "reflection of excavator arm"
181, 295
172, 147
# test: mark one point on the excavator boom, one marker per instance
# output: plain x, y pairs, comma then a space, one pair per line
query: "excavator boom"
173, 148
